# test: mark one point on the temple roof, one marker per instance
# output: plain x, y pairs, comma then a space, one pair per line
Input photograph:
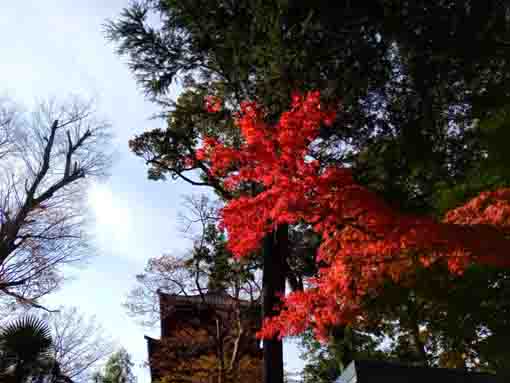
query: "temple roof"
365, 371
208, 298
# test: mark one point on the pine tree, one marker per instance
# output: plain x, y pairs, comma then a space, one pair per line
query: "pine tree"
118, 369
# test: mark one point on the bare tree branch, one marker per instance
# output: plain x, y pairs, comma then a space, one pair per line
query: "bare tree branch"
43, 182
79, 343
10, 118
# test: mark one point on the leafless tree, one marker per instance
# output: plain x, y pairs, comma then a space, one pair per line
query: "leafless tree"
172, 274
186, 274
166, 273
201, 211
79, 343
46, 160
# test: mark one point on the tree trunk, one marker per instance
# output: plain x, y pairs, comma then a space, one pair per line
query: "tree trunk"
220, 351
415, 331
273, 286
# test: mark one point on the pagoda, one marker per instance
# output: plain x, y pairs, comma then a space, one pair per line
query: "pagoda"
206, 338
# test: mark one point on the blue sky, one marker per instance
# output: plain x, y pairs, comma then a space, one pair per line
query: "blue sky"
55, 48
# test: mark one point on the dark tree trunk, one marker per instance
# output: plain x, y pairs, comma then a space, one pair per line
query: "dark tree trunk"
273, 285
415, 332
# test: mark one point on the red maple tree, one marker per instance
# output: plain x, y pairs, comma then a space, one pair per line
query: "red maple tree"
364, 240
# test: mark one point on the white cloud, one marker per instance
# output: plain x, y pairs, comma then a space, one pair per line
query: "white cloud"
112, 216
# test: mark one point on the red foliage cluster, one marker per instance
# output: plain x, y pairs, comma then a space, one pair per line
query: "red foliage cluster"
213, 104
489, 208
364, 240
